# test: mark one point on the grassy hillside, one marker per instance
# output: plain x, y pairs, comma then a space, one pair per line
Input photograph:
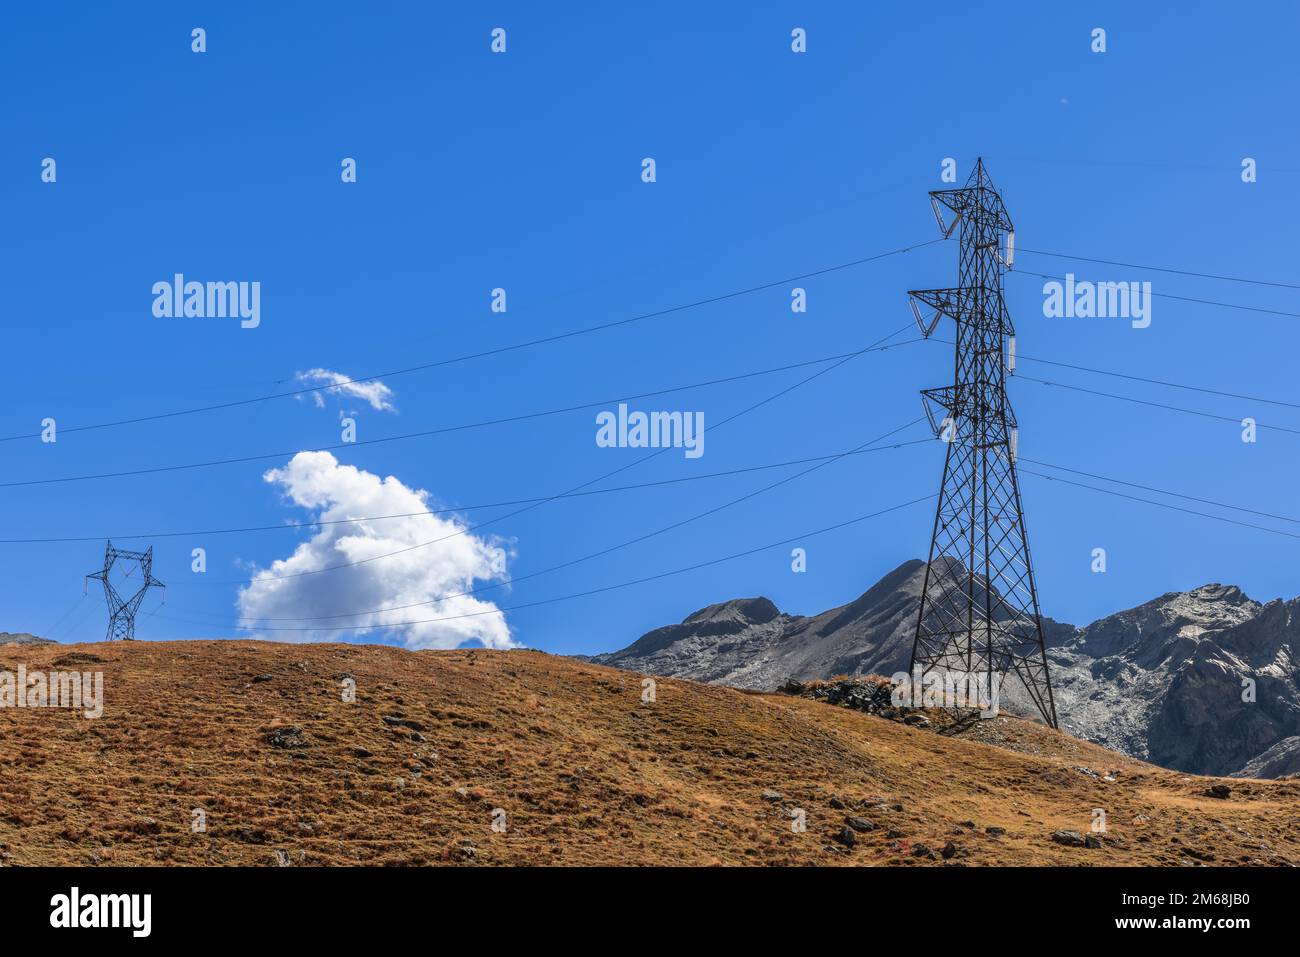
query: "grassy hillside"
258, 736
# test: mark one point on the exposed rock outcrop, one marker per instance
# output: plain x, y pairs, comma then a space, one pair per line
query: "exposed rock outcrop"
22, 638
1206, 681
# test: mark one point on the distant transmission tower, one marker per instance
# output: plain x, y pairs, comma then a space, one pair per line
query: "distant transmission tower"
979, 604
121, 613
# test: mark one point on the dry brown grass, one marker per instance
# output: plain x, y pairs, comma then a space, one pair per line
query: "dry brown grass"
586, 773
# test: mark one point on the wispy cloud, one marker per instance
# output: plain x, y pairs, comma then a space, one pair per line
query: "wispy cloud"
372, 391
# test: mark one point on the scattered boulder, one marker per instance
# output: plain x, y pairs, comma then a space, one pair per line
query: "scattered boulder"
859, 824
773, 797
290, 736
846, 836
870, 694
1068, 838
1220, 791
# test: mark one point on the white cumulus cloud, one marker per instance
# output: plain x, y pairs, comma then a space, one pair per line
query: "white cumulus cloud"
372, 391
316, 481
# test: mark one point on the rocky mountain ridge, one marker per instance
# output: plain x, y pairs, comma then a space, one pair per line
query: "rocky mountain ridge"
22, 638
1205, 681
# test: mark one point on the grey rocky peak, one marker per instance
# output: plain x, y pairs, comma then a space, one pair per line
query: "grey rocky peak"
749, 643
22, 638
1204, 681
1201, 681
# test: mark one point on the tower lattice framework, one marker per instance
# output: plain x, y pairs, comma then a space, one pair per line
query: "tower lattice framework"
979, 605
121, 611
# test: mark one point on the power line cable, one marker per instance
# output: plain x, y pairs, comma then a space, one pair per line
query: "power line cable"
1160, 382
600, 478
515, 579
426, 433
53, 629
1147, 501
1162, 491
1169, 295
597, 591
1177, 272
393, 373
1156, 405
77, 620
298, 526
1021, 357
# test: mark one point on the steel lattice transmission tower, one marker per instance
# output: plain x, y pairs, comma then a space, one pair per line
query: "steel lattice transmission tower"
121, 612
979, 604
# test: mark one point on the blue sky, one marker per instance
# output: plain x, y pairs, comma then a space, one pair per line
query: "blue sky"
522, 171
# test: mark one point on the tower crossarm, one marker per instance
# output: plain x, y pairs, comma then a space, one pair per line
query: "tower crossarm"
970, 305
978, 612
121, 612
